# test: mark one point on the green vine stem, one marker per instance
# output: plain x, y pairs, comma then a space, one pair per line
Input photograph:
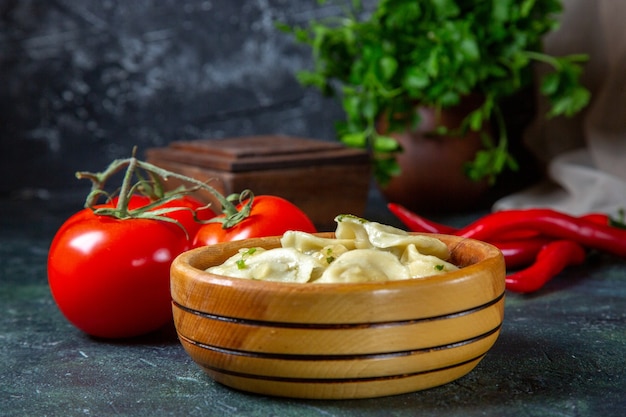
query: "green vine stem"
154, 189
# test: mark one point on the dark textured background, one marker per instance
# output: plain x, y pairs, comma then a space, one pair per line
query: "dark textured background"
83, 81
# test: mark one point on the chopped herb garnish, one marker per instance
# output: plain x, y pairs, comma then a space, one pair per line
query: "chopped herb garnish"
241, 263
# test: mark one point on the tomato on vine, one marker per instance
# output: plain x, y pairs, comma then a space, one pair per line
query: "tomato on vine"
108, 264
268, 216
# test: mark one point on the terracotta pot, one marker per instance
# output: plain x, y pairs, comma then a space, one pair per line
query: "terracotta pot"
432, 178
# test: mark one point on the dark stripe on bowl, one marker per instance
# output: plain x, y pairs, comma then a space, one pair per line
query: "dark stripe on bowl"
334, 325
369, 356
340, 380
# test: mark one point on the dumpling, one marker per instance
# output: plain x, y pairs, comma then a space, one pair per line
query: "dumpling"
421, 265
279, 264
324, 250
362, 251
373, 234
308, 243
351, 227
364, 265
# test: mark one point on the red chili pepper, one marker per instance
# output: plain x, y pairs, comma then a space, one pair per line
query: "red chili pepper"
521, 253
417, 223
598, 218
552, 224
551, 260
517, 253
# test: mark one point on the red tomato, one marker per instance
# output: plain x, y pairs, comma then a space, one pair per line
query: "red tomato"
270, 216
110, 277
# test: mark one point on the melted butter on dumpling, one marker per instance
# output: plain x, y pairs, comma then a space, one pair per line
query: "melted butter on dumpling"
280, 264
364, 265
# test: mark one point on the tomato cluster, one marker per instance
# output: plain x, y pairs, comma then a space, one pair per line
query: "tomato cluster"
270, 216
110, 276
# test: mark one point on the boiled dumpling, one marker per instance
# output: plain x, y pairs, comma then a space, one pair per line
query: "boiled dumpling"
279, 264
373, 234
362, 251
352, 228
364, 265
324, 250
308, 243
421, 265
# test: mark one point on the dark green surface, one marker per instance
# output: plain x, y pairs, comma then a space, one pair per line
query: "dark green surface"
562, 351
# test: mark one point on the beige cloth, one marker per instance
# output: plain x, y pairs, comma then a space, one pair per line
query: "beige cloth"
586, 155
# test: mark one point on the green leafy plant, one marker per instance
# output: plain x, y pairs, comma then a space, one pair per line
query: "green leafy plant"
433, 53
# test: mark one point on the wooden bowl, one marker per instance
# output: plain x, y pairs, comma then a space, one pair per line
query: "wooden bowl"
344, 340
